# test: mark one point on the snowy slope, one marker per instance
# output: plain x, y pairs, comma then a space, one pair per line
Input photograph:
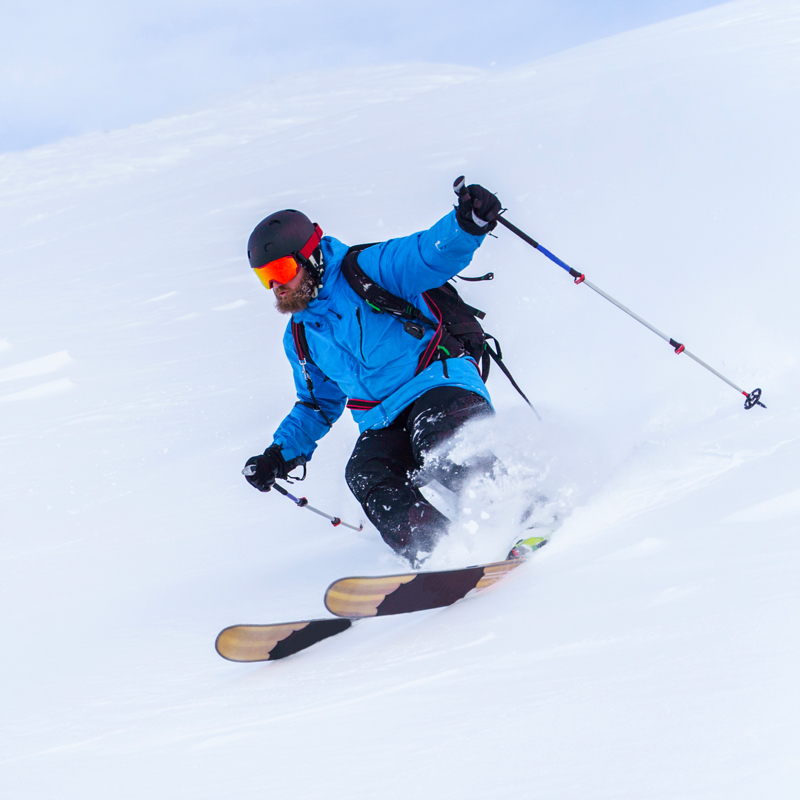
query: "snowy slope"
649, 651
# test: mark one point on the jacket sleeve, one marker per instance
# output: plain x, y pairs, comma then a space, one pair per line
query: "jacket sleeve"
413, 264
303, 426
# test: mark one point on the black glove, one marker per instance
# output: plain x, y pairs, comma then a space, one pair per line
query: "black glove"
477, 205
268, 467
261, 471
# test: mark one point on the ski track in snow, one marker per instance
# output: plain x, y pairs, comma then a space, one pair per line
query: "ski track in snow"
42, 390
648, 652
37, 366
784, 506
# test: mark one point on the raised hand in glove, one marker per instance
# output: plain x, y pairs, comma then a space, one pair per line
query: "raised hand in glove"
261, 471
478, 209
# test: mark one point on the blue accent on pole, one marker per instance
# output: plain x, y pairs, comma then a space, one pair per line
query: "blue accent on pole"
555, 259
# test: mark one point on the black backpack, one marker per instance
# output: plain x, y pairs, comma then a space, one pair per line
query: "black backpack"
456, 325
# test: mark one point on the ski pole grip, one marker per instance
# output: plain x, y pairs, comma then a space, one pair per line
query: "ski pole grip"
249, 471
460, 186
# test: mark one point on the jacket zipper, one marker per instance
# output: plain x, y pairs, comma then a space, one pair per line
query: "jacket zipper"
360, 335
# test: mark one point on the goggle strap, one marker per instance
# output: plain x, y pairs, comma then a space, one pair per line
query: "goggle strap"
313, 243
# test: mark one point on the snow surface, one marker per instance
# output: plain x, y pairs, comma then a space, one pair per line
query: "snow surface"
650, 651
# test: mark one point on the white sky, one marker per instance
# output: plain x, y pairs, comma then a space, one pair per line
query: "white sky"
66, 69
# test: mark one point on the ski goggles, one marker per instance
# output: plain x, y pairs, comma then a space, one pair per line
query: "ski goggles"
280, 271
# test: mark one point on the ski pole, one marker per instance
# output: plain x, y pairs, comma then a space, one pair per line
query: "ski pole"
753, 398
301, 502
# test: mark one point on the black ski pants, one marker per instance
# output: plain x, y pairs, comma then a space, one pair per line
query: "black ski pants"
381, 471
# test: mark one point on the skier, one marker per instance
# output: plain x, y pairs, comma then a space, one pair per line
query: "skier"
407, 391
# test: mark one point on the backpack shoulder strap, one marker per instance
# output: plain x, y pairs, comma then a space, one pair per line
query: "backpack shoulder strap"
304, 357
457, 330
381, 300
300, 341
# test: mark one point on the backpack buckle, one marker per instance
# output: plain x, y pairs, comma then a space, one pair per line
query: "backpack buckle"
414, 328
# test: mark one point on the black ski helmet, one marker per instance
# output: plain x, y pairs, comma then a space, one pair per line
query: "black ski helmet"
280, 234
287, 233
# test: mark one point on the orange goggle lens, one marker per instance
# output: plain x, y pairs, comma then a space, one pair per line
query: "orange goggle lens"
280, 271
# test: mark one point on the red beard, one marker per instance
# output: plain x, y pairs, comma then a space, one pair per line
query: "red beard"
296, 299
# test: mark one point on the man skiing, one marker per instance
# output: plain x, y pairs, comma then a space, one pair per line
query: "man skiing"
409, 388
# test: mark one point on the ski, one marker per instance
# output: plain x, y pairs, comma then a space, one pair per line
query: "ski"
357, 597
271, 642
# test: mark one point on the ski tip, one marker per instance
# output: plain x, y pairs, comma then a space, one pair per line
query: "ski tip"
362, 596
251, 643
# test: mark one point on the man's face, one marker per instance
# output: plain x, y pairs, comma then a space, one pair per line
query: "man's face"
295, 295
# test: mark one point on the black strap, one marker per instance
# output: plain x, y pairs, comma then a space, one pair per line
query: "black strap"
444, 344
489, 276
497, 357
376, 297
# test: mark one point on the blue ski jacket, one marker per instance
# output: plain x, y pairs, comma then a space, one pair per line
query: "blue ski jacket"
367, 356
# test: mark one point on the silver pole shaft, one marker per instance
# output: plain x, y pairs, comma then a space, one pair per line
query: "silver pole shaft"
662, 335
